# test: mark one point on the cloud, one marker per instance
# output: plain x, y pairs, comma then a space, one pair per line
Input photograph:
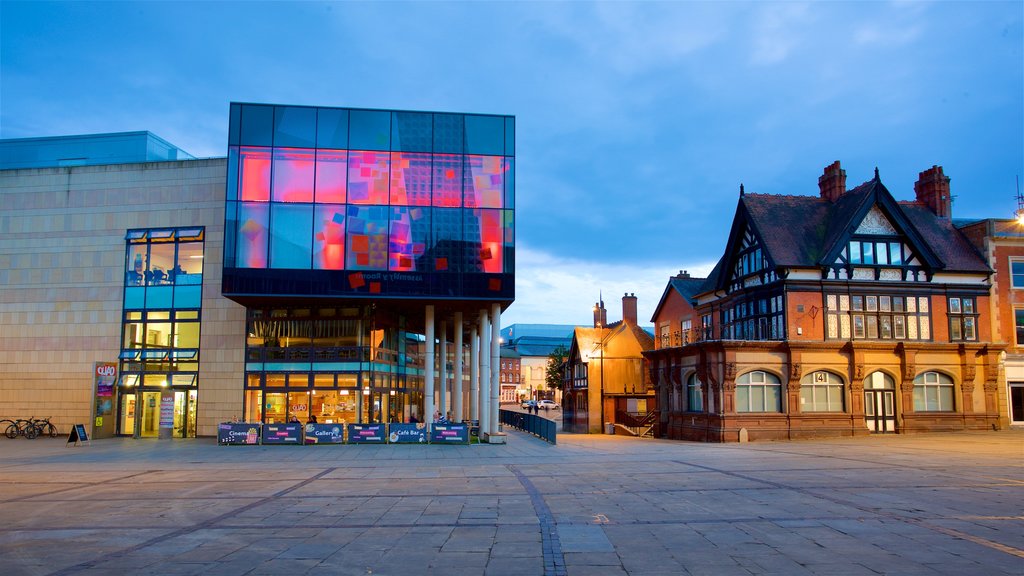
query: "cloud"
552, 289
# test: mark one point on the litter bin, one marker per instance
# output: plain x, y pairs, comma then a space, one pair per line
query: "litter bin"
609, 428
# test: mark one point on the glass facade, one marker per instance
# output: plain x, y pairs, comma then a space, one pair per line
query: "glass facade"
348, 202
162, 312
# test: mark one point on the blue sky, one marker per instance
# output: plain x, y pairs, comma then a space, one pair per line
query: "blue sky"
636, 122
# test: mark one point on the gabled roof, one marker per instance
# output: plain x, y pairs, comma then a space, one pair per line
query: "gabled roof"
808, 231
685, 286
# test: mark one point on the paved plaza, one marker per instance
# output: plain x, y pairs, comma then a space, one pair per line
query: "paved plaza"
592, 505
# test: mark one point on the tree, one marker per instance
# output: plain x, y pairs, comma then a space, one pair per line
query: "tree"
553, 373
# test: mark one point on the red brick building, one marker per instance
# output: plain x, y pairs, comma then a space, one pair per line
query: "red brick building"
839, 314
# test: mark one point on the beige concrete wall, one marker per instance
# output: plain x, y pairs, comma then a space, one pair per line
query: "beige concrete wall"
62, 251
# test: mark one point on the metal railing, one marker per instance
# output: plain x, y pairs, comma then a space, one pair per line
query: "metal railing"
538, 426
643, 424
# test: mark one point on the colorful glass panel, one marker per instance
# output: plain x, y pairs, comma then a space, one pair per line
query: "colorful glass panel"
329, 237
254, 174
331, 175
367, 238
410, 229
447, 184
293, 175
291, 236
410, 179
368, 177
253, 221
484, 185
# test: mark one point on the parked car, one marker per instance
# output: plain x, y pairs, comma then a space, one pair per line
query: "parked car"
547, 404
528, 403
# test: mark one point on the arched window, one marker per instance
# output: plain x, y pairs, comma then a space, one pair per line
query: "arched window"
933, 392
821, 391
694, 394
758, 391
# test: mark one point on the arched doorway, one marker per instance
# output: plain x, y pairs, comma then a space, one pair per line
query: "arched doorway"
880, 403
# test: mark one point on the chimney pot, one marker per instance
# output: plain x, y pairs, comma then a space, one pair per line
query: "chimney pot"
832, 183
932, 189
629, 315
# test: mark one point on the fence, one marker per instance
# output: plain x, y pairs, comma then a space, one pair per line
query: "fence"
538, 426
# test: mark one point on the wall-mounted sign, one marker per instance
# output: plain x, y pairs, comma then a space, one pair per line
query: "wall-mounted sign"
105, 376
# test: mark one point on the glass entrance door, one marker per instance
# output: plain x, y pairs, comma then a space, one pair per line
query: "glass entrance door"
880, 403
149, 426
184, 413
128, 413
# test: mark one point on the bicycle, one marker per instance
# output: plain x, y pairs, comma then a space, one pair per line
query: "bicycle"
45, 427
22, 427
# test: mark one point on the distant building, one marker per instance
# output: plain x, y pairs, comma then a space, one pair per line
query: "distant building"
840, 314
535, 343
1001, 242
606, 380
511, 375
88, 150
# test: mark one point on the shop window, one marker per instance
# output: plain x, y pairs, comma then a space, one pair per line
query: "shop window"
933, 392
758, 391
821, 391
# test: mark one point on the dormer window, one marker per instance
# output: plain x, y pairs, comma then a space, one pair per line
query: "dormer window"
877, 253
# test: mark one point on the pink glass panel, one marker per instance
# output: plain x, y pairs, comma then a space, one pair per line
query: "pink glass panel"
331, 173
254, 174
253, 219
485, 181
293, 175
329, 237
410, 179
492, 235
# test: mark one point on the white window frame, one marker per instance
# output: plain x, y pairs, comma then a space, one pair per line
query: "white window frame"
753, 390
934, 392
822, 391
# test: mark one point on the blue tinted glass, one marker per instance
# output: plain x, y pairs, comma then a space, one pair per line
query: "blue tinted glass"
232, 190
448, 133
446, 243
230, 228
367, 238
188, 296
295, 126
410, 230
257, 125
291, 236
369, 130
332, 128
234, 122
485, 135
510, 136
412, 132
134, 298
159, 297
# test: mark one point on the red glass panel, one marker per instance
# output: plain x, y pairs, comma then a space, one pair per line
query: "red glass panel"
368, 177
410, 179
254, 174
447, 185
329, 238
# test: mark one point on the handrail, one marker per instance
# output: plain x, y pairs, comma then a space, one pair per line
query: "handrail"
540, 427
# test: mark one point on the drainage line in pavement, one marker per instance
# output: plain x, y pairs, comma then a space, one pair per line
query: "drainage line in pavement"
554, 561
189, 529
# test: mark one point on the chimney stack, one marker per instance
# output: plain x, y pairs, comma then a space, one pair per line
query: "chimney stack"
932, 190
683, 274
600, 314
832, 183
629, 309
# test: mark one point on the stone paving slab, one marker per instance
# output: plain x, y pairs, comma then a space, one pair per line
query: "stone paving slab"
927, 504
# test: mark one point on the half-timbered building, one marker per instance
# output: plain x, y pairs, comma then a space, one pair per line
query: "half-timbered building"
840, 314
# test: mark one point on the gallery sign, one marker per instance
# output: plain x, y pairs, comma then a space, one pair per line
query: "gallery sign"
325, 434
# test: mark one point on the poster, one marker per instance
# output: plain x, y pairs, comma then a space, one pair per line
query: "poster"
366, 434
105, 375
325, 433
407, 433
166, 411
449, 434
282, 433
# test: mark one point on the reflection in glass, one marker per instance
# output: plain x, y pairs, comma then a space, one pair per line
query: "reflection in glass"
369, 130
410, 228
253, 220
368, 174
410, 179
293, 175
295, 126
291, 237
447, 181
329, 237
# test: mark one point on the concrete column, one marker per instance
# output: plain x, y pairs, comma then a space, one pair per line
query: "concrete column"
428, 369
457, 414
485, 374
474, 373
495, 366
442, 369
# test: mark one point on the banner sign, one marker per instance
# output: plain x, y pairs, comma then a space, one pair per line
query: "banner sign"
104, 375
366, 434
238, 433
449, 434
325, 433
282, 433
166, 410
407, 433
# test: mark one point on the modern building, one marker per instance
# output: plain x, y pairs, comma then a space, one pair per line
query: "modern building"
839, 314
606, 381
1001, 242
321, 268
535, 343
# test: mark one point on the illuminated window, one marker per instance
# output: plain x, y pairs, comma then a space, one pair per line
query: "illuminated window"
933, 392
758, 391
821, 391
